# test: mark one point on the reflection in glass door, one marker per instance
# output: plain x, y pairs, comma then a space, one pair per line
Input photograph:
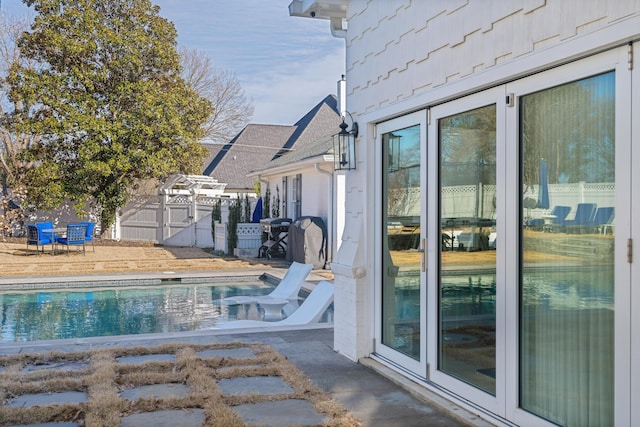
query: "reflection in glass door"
467, 279
567, 137
401, 241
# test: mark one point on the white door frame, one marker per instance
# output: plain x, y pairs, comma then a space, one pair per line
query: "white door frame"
416, 367
613, 60
482, 99
633, 351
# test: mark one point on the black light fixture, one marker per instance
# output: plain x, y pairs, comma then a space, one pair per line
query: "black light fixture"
344, 146
393, 149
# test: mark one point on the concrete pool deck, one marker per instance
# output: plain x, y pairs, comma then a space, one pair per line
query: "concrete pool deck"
373, 399
111, 257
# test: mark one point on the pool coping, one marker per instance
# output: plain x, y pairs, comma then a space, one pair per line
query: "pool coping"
76, 344
126, 279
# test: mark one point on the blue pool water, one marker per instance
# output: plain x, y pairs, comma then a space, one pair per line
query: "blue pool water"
106, 311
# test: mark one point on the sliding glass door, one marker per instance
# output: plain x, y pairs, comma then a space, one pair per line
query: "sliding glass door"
468, 291
529, 298
400, 330
574, 131
467, 324
567, 288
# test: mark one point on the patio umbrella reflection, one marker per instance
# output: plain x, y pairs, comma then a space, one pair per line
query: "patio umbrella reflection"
257, 211
543, 186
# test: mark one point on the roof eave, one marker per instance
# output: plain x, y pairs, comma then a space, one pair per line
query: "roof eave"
290, 167
324, 9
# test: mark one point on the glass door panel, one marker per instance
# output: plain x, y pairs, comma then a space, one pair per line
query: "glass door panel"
400, 293
402, 256
467, 250
567, 137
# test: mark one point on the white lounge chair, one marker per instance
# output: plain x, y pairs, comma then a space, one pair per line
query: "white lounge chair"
310, 311
287, 289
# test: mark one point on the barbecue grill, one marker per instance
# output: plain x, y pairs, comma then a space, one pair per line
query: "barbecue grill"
277, 230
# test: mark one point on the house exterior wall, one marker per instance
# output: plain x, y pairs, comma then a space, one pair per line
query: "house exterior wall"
315, 183
404, 56
314, 197
399, 50
407, 56
319, 197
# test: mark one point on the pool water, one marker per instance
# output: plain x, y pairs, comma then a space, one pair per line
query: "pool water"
91, 312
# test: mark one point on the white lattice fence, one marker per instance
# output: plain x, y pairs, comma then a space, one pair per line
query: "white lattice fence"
249, 239
460, 201
467, 201
602, 194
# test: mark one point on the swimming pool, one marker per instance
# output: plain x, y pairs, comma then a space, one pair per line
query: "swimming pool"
137, 308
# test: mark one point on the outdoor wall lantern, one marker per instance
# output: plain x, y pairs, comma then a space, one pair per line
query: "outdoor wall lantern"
394, 153
344, 146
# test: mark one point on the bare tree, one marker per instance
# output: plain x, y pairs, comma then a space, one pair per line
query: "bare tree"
231, 110
12, 167
11, 143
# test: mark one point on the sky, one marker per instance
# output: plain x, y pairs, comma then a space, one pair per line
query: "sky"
285, 64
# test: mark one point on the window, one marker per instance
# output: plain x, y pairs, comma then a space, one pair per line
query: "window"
285, 196
292, 196
296, 197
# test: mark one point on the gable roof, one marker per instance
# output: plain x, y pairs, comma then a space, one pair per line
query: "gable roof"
312, 150
256, 145
321, 121
252, 147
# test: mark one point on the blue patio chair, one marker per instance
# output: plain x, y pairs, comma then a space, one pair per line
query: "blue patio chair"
36, 237
556, 219
602, 218
46, 225
75, 237
583, 219
88, 237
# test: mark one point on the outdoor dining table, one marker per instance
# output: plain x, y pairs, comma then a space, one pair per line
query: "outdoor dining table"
53, 232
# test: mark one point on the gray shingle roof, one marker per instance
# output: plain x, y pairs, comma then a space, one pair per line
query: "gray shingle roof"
254, 146
257, 145
308, 151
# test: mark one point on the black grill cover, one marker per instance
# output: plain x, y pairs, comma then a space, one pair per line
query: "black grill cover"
307, 241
